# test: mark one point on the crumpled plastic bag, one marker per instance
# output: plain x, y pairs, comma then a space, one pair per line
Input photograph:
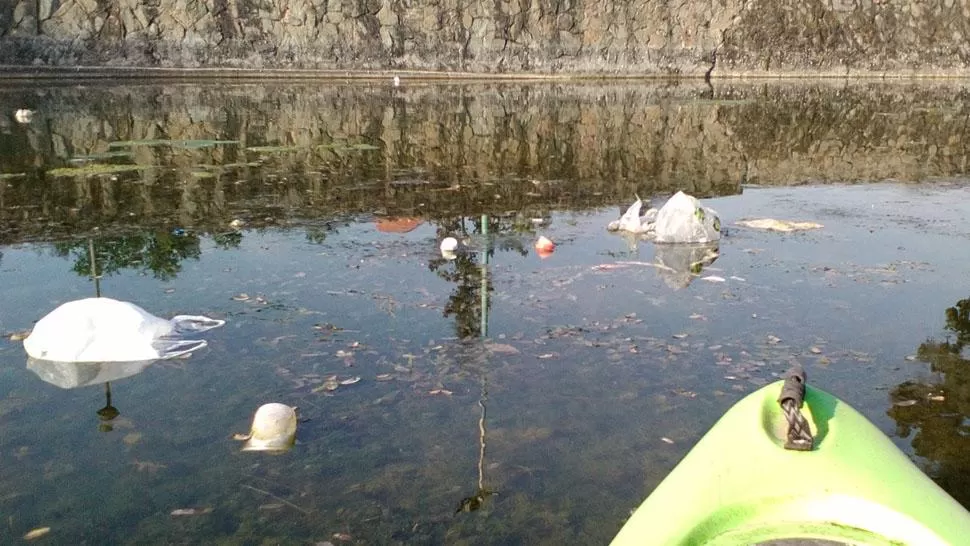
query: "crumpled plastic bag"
108, 330
633, 222
684, 220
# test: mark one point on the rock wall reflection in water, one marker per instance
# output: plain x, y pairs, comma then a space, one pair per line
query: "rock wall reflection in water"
201, 154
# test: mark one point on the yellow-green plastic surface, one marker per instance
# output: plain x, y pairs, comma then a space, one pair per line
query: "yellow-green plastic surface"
740, 486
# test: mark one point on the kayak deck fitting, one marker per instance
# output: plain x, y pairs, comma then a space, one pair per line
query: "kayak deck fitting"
759, 477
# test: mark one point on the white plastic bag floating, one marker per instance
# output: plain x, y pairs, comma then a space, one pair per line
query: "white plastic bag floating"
683, 220
108, 330
632, 221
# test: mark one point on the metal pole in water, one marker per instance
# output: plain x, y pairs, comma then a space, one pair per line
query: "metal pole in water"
484, 289
94, 268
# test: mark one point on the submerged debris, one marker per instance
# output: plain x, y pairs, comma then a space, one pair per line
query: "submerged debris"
37, 533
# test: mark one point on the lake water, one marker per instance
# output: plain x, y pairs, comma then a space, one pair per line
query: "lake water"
557, 390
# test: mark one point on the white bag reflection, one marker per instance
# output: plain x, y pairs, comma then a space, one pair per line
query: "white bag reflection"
679, 264
71, 375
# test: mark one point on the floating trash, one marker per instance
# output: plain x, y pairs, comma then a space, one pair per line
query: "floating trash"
23, 115
108, 330
633, 222
682, 219
545, 247
273, 429
785, 226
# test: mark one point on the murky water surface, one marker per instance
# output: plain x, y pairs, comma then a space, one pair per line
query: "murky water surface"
503, 397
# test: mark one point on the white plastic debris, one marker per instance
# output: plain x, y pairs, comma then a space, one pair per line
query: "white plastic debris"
632, 221
785, 226
683, 220
274, 429
23, 115
108, 330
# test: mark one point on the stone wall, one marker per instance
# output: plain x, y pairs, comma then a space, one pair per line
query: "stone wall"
640, 37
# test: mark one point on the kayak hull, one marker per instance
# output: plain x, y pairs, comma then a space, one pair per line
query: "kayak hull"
739, 485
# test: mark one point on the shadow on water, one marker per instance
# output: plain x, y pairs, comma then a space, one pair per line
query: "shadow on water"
935, 415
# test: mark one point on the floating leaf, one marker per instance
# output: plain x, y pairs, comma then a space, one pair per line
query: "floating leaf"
190, 511
37, 533
502, 348
330, 384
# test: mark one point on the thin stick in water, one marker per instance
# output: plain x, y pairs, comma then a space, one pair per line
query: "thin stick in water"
281, 499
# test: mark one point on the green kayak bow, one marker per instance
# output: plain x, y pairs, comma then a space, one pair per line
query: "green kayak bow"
773, 470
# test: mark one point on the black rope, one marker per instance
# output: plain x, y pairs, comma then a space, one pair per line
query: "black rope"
791, 398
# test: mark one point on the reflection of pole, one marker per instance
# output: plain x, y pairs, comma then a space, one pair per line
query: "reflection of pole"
484, 326
108, 412
481, 435
94, 268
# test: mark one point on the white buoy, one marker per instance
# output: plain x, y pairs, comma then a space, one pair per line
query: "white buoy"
274, 429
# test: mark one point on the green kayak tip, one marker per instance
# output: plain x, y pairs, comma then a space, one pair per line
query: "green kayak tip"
740, 485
